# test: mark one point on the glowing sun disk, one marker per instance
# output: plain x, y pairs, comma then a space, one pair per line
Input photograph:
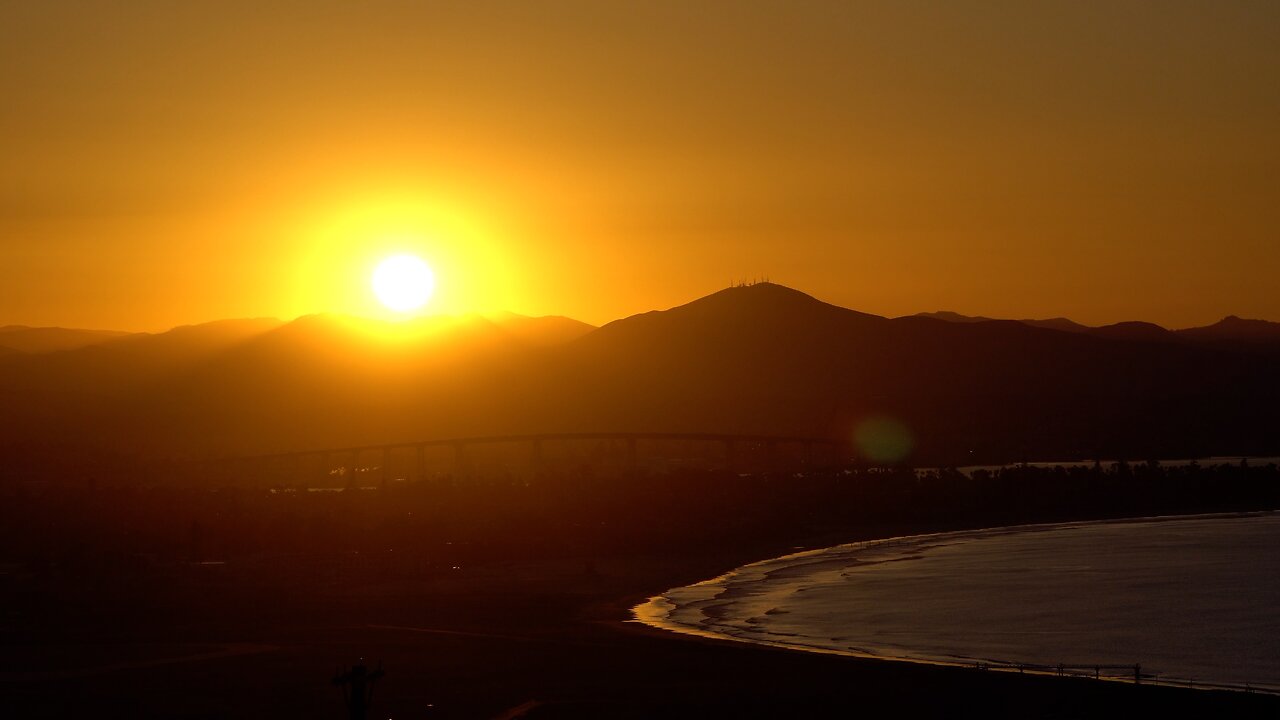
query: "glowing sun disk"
403, 283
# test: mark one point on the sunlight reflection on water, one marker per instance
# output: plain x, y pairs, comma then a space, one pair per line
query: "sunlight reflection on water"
1189, 598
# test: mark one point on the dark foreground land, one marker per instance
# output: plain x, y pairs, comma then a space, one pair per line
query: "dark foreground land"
537, 633
544, 640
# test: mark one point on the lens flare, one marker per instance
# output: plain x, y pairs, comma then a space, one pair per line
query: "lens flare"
883, 440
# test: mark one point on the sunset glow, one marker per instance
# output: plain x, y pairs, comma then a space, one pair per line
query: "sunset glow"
433, 336
338, 240
950, 176
403, 283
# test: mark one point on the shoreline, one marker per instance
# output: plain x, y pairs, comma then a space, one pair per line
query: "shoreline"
495, 638
656, 611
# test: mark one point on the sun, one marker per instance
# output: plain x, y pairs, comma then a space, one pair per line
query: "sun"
403, 283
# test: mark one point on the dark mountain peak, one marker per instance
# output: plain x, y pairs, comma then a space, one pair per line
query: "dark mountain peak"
1134, 325
1233, 328
1133, 330
765, 322
763, 300
1057, 323
1129, 330
757, 309
335, 336
954, 317
1235, 322
761, 294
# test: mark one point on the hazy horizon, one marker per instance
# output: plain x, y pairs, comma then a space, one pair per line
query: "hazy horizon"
167, 165
497, 313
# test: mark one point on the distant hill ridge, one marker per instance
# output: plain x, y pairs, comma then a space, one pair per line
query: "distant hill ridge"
39, 340
760, 360
762, 298
24, 339
1228, 329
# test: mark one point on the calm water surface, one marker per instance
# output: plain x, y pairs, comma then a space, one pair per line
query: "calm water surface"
1191, 598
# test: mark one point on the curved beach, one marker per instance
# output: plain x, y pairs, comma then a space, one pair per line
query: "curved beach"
1187, 598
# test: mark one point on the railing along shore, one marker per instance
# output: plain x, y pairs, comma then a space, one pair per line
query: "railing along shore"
1127, 673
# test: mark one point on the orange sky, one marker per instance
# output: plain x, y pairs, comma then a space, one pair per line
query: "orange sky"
164, 163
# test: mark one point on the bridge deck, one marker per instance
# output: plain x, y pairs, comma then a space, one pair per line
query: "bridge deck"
552, 437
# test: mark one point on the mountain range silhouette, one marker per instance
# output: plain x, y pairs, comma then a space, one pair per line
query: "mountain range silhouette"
760, 359
1230, 329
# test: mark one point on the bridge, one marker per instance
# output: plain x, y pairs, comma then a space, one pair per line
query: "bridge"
737, 452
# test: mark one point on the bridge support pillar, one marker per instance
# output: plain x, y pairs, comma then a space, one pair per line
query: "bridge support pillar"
420, 469
731, 454
633, 461
462, 468
539, 462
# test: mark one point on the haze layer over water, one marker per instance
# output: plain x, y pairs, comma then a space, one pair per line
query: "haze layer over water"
1190, 598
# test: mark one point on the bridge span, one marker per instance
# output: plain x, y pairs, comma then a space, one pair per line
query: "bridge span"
736, 453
